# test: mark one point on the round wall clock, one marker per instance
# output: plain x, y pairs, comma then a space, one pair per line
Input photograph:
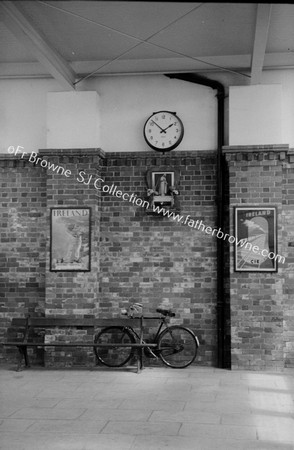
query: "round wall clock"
163, 131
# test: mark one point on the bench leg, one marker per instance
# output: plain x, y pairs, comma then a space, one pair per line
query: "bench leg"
23, 355
140, 349
140, 360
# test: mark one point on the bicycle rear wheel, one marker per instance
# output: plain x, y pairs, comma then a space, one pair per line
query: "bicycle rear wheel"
177, 346
114, 356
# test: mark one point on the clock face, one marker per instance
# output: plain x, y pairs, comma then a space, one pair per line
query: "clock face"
163, 131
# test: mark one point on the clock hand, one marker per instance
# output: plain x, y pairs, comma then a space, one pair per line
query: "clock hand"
162, 130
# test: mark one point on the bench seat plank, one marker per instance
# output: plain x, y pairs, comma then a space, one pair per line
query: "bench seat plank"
39, 322
47, 322
75, 344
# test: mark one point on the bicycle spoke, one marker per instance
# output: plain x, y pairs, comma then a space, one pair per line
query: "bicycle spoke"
178, 347
114, 356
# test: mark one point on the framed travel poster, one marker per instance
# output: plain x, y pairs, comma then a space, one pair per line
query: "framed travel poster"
256, 239
70, 239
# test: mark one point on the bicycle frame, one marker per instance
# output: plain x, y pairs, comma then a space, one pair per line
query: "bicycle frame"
175, 345
163, 322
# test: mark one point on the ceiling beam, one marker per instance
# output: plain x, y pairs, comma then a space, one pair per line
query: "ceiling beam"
260, 40
22, 28
272, 61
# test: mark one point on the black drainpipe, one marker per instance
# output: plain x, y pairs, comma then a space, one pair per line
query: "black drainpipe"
221, 316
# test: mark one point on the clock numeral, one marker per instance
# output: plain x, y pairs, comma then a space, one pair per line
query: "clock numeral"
163, 131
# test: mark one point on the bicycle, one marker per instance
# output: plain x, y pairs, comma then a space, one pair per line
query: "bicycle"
176, 345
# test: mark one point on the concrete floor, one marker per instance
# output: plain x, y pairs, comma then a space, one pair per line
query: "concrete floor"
103, 409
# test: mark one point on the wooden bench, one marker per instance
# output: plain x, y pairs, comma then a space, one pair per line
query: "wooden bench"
27, 326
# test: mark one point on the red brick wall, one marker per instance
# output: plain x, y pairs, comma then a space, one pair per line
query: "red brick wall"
135, 256
73, 293
138, 256
262, 322
149, 258
287, 248
23, 241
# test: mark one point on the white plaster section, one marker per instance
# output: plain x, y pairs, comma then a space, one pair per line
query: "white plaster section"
255, 115
73, 120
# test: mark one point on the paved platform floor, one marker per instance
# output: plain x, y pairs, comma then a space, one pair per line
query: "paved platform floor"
103, 409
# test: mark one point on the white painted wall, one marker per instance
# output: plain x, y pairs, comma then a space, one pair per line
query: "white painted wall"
286, 79
255, 114
23, 105
73, 120
125, 104
278, 106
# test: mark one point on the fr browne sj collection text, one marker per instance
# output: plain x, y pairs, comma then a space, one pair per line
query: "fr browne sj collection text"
60, 170
134, 199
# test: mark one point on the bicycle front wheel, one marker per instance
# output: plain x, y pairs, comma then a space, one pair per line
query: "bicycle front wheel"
177, 346
114, 356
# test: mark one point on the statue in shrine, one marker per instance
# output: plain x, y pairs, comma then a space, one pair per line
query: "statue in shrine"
162, 188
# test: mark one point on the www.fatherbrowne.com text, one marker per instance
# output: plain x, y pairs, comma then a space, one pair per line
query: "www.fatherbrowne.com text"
186, 220
135, 200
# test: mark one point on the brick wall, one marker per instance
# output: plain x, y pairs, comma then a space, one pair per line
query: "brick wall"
150, 258
287, 248
73, 293
23, 241
145, 257
135, 256
261, 303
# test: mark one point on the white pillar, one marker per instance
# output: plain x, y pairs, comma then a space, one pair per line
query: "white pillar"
73, 120
255, 115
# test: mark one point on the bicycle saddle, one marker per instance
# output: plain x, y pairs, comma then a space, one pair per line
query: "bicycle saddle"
165, 312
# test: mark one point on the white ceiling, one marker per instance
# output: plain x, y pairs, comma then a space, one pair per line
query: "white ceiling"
70, 40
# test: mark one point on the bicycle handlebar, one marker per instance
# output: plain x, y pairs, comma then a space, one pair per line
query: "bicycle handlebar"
136, 308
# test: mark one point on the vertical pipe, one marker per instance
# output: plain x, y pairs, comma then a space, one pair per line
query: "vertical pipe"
221, 317
220, 307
